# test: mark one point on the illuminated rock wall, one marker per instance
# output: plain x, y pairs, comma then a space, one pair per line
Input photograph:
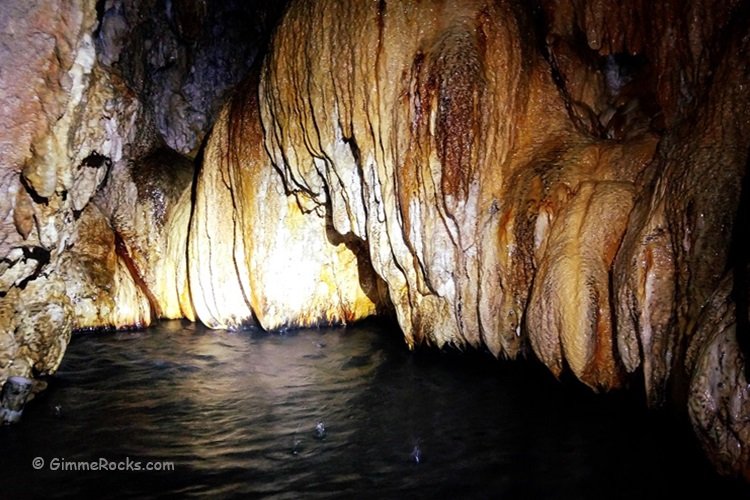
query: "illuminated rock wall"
65, 122
254, 252
562, 181
447, 148
568, 199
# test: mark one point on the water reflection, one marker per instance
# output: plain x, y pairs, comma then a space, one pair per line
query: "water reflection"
340, 412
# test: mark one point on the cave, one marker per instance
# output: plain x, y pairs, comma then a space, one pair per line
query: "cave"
374, 249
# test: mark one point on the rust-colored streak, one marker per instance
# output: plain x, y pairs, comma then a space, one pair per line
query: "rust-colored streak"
121, 249
419, 104
602, 371
459, 83
407, 175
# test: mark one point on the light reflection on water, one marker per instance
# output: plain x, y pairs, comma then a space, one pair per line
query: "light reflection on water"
236, 412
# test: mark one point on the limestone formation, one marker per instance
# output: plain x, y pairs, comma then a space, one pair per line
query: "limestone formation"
15, 393
254, 252
563, 181
126, 264
147, 204
64, 122
183, 57
102, 290
449, 192
579, 200
70, 127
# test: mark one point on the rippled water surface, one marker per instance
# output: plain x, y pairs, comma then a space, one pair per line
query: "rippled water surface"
236, 413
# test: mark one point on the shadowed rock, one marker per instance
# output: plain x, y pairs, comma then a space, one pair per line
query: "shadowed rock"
16, 391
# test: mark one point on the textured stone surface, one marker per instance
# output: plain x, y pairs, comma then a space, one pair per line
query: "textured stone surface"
126, 264
562, 180
254, 253
36, 326
182, 56
69, 123
147, 203
719, 397
569, 314
428, 168
57, 111
100, 286
38, 101
580, 199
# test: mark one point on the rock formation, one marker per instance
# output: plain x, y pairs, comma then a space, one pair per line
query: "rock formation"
561, 179
94, 219
254, 252
458, 204
64, 123
181, 57
555, 198
147, 204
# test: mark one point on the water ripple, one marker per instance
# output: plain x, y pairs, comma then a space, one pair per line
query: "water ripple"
237, 413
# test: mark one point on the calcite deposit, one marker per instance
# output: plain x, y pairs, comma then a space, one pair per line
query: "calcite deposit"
255, 252
59, 114
578, 200
147, 204
461, 171
562, 179
73, 130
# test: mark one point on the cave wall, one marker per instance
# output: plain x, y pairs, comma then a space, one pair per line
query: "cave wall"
457, 204
66, 124
557, 179
255, 252
182, 57
572, 194
96, 205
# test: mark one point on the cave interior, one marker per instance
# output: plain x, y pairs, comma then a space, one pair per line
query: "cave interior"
560, 182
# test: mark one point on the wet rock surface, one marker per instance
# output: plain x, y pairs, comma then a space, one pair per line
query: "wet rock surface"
58, 113
515, 198
84, 119
559, 180
182, 57
147, 204
255, 252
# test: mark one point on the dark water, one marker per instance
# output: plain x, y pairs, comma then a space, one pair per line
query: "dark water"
236, 414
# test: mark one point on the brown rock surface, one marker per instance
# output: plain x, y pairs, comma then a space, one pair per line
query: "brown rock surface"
101, 288
506, 193
563, 180
68, 124
147, 202
253, 252
450, 194
58, 113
